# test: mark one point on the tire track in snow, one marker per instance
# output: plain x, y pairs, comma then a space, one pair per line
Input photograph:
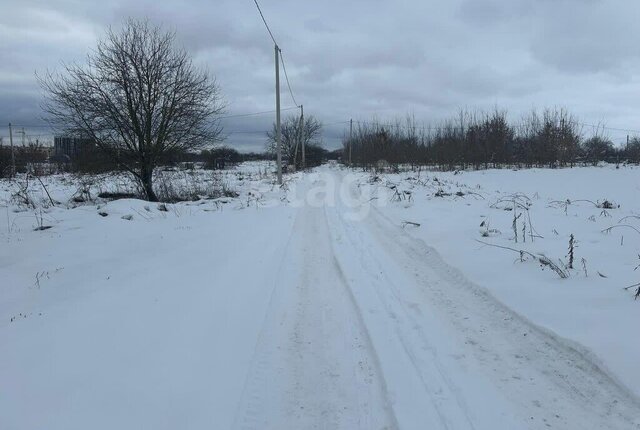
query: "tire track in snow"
521, 376
444, 394
313, 366
550, 378
254, 393
424, 397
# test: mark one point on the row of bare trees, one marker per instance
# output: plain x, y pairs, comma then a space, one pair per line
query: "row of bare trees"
21, 158
552, 138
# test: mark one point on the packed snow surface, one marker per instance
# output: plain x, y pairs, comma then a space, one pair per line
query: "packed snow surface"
341, 300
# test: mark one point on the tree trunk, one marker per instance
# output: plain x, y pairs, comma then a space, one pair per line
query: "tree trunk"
146, 180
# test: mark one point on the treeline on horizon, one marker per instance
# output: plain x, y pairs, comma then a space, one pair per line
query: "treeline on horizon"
94, 160
475, 139
34, 157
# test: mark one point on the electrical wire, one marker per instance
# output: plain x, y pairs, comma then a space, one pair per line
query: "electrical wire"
284, 68
336, 123
241, 115
265, 23
286, 76
607, 128
256, 113
30, 126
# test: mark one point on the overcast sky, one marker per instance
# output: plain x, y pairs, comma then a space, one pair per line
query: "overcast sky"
358, 59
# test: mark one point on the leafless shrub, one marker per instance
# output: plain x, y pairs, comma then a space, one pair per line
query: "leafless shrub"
606, 204
398, 195
608, 229
192, 188
83, 192
441, 193
542, 259
515, 202
637, 286
572, 244
628, 217
22, 194
406, 223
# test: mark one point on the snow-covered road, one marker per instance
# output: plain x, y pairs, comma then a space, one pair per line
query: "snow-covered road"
317, 314
369, 328
314, 365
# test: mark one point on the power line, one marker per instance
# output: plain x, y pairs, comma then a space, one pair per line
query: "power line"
32, 126
607, 128
287, 78
241, 115
256, 113
248, 132
336, 123
265, 22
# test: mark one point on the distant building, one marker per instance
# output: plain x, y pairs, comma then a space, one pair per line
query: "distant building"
65, 147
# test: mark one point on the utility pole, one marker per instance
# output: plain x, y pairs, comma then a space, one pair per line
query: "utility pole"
350, 139
278, 148
23, 134
302, 136
13, 155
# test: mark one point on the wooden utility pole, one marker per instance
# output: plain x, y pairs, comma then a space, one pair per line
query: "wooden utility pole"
13, 155
350, 139
302, 136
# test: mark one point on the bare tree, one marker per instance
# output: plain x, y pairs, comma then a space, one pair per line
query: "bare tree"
597, 148
290, 137
139, 97
632, 150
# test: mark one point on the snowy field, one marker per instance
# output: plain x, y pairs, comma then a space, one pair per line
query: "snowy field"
591, 306
340, 300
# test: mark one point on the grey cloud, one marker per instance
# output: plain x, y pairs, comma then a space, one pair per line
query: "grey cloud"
587, 36
358, 58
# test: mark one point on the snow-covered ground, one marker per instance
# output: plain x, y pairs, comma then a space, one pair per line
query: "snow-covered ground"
314, 305
590, 307
150, 322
